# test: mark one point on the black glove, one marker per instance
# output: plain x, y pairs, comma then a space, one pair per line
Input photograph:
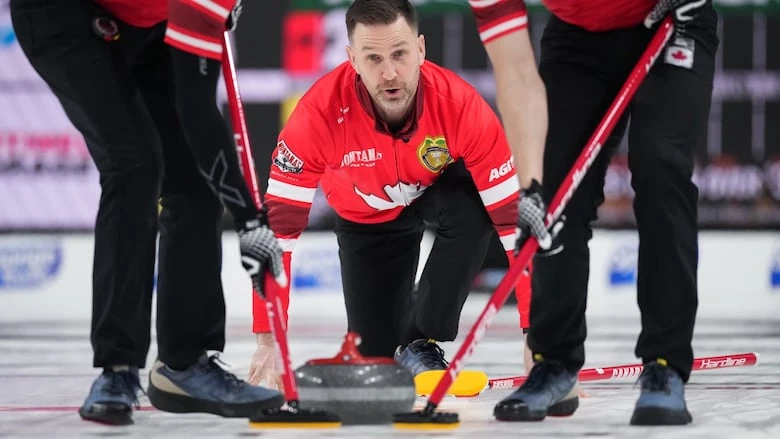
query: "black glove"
683, 12
260, 251
530, 222
232, 18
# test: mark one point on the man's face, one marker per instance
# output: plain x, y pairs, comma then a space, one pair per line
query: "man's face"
388, 58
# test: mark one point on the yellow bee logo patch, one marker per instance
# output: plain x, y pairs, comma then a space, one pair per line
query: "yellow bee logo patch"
434, 154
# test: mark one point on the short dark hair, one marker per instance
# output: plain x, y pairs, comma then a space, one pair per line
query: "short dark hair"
369, 12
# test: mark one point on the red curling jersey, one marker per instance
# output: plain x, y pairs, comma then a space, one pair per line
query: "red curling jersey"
369, 175
499, 17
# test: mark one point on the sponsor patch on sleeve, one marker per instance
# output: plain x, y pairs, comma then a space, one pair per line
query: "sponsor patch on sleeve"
286, 160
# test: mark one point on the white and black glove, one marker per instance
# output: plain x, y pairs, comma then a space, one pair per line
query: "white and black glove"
232, 18
683, 12
261, 252
530, 222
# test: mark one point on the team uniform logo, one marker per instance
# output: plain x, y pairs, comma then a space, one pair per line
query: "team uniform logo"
361, 158
680, 52
434, 154
286, 160
398, 195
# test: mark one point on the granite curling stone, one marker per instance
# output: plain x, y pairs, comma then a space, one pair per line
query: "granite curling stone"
360, 390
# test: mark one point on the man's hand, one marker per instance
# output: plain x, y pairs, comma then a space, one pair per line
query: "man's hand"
683, 12
265, 368
261, 252
530, 222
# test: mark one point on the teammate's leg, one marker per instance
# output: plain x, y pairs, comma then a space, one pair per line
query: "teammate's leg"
669, 120
378, 266
190, 300
207, 133
578, 94
92, 82
581, 83
191, 307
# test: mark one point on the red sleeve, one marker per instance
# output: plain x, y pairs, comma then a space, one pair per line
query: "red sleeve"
498, 17
297, 164
197, 26
217, 10
523, 296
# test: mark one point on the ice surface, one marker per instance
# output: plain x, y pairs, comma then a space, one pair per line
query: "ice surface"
45, 372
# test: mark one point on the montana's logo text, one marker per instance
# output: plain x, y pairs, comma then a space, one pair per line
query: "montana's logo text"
361, 158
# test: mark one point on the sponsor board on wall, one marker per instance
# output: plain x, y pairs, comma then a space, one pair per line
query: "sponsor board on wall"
315, 264
52, 277
737, 274
28, 264
623, 265
774, 272
45, 277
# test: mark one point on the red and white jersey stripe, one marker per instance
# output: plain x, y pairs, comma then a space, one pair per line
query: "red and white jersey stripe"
496, 18
217, 9
193, 42
196, 26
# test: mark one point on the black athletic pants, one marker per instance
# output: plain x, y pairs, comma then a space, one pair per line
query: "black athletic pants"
379, 262
583, 72
120, 95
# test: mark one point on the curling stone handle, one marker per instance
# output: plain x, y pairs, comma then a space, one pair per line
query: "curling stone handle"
349, 351
349, 354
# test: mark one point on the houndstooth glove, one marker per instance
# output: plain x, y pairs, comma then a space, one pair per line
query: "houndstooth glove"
532, 210
684, 11
232, 18
260, 251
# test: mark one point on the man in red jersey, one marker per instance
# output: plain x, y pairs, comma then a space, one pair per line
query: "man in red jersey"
397, 142
115, 79
587, 51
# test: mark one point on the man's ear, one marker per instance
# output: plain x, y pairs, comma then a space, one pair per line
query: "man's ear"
421, 47
351, 57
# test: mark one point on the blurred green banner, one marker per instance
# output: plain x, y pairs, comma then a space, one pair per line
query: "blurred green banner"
439, 6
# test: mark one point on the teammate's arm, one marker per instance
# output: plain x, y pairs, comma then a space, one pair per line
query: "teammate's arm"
520, 91
522, 102
297, 164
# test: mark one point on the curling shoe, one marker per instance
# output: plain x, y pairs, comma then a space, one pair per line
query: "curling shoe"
550, 389
662, 398
113, 396
205, 387
421, 356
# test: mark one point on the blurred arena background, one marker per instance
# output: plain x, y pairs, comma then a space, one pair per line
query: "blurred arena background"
49, 189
